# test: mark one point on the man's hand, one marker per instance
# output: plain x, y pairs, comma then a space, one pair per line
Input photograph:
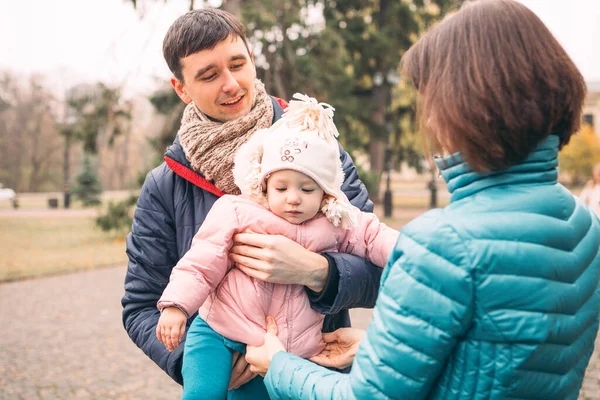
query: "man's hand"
240, 373
171, 327
277, 259
260, 357
340, 349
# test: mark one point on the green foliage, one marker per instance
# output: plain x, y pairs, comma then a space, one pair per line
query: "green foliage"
117, 217
87, 184
369, 178
167, 103
581, 154
95, 108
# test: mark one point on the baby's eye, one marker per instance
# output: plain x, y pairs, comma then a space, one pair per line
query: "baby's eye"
280, 189
308, 190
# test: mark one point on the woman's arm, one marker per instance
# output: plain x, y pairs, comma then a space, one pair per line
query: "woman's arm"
424, 305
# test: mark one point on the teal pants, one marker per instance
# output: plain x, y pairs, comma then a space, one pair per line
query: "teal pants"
207, 363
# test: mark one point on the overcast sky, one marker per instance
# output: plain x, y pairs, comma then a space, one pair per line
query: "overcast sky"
74, 40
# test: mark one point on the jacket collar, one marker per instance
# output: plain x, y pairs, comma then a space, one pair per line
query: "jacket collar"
540, 167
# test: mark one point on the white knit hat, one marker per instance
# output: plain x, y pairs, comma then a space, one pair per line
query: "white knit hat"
302, 140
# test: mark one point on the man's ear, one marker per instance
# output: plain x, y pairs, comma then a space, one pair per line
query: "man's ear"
180, 90
251, 57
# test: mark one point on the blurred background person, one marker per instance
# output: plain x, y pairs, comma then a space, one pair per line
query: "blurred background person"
591, 192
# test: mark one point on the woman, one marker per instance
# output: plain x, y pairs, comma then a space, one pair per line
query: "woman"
496, 295
590, 194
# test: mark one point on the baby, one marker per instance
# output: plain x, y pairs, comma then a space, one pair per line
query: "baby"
290, 177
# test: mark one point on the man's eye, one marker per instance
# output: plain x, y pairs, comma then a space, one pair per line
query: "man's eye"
237, 66
209, 78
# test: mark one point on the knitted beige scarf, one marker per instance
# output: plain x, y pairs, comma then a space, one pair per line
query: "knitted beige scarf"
210, 146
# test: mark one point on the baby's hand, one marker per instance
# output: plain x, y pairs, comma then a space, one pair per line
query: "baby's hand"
171, 327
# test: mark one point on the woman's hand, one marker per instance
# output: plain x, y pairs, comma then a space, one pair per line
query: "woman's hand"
340, 349
278, 259
260, 357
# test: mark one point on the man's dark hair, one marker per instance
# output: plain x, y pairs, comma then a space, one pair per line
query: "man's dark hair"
196, 31
494, 82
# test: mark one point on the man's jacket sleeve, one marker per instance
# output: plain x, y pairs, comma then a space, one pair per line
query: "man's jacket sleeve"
353, 281
152, 252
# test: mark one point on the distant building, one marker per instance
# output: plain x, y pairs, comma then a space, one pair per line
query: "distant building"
591, 108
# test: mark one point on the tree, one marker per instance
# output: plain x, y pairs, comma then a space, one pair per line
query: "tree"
117, 217
87, 185
170, 107
345, 53
95, 115
581, 154
376, 34
29, 143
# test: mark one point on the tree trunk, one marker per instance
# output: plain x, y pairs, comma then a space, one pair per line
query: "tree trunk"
67, 170
378, 142
34, 160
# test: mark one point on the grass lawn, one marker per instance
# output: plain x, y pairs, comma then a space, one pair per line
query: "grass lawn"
31, 247
40, 246
34, 247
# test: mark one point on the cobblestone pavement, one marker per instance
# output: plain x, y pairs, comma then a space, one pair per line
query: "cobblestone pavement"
61, 338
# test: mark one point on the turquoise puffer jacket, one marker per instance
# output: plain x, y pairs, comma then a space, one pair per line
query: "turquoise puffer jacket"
493, 297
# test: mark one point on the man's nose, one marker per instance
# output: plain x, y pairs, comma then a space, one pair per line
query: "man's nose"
230, 85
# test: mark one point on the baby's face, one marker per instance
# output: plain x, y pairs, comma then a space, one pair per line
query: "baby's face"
293, 196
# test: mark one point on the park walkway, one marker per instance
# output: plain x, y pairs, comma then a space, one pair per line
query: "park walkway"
61, 338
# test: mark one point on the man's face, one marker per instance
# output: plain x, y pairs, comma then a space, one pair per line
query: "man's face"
220, 80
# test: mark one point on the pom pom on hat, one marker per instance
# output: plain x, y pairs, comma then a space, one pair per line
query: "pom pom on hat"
306, 113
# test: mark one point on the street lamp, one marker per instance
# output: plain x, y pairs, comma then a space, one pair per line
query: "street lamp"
387, 197
392, 78
432, 186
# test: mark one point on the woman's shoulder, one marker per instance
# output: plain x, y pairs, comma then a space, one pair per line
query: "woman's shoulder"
434, 233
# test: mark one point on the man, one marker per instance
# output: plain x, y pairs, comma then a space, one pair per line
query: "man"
214, 74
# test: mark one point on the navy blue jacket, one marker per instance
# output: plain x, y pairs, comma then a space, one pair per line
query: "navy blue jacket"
171, 209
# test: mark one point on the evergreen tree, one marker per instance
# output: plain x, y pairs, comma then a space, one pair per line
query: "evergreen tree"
87, 184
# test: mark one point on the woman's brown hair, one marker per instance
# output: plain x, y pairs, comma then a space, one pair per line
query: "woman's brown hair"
494, 82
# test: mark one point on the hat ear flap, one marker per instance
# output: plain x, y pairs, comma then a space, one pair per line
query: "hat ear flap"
338, 212
247, 165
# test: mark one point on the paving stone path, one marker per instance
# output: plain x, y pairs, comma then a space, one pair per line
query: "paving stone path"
61, 338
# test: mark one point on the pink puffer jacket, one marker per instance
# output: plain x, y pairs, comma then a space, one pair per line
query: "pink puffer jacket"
234, 304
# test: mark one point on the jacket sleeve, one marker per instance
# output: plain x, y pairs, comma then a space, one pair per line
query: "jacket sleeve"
205, 264
152, 253
353, 281
424, 306
370, 238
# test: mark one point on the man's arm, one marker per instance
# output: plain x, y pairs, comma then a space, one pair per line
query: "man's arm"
152, 253
352, 281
